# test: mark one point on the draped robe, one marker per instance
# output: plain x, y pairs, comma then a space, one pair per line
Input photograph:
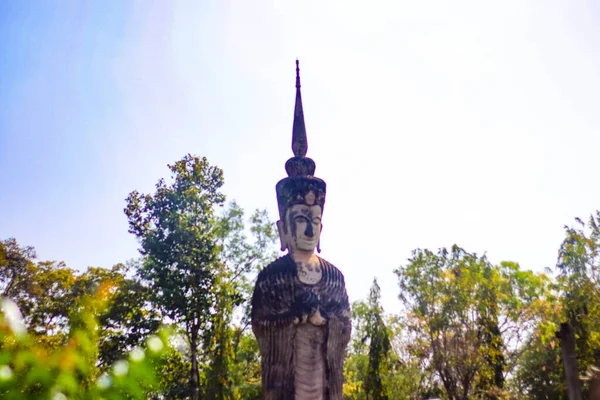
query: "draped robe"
279, 302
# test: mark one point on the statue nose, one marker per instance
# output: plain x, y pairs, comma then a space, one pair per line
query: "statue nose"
309, 230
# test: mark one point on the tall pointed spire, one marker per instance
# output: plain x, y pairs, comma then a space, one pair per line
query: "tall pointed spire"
299, 142
299, 165
300, 169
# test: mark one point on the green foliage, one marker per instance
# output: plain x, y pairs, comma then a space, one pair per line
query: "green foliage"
439, 290
199, 266
130, 315
355, 368
467, 311
50, 293
379, 347
177, 230
468, 329
382, 359
173, 372
540, 374
42, 291
240, 258
579, 282
219, 347
245, 371
90, 320
30, 369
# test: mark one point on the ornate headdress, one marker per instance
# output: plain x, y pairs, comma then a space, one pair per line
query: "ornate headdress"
300, 169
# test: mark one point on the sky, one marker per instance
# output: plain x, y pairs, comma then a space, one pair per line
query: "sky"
433, 123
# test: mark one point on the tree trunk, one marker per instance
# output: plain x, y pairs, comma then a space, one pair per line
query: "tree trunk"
194, 381
567, 345
10, 284
595, 389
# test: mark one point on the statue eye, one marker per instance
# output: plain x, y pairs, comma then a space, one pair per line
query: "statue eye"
300, 219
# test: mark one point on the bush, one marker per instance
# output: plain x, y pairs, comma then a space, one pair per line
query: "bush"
31, 369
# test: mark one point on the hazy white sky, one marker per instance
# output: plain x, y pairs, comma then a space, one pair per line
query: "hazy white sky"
432, 122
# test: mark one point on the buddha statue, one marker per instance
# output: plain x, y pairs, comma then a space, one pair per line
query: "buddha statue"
300, 312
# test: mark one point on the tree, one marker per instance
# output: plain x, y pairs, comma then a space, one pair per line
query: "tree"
32, 369
475, 317
129, 316
173, 372
379, 347
41, 290
16, 266
220, 346
579, 268
176, 227
578, 281
492, 343
240, 259
247, 383
540, 374
48, 293
438, 290
355, 365
383, 360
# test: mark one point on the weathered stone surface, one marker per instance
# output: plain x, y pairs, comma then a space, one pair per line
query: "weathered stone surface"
309, 363
281, 305
300, 309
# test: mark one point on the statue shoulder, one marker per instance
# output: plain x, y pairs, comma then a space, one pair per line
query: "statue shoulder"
331, 272
283, 266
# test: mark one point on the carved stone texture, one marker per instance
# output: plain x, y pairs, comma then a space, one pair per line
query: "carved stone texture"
300, 309
292, 348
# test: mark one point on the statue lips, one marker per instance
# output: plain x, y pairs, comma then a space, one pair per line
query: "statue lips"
306, 244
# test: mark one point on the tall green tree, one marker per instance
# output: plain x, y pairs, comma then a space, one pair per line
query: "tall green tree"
526, 309
374, 368
579, 268
49, 293
129, 315
474, 315
490, 336
241, 255
578, 281
539, 373
355, 365
176, 227
411, 376
379, 347
247, 383
439, 290
219, 346
41, 289
16, 266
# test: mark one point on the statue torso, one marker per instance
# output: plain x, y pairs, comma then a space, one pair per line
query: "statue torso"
309, 342
309, 356
309, 362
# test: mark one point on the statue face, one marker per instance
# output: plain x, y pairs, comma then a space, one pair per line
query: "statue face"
301, 229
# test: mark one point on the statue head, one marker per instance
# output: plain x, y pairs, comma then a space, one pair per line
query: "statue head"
300, 224
300, 196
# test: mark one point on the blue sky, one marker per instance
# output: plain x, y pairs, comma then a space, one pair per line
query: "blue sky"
432, 122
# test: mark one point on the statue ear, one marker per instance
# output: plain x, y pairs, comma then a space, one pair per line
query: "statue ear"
319, 242
282, 235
